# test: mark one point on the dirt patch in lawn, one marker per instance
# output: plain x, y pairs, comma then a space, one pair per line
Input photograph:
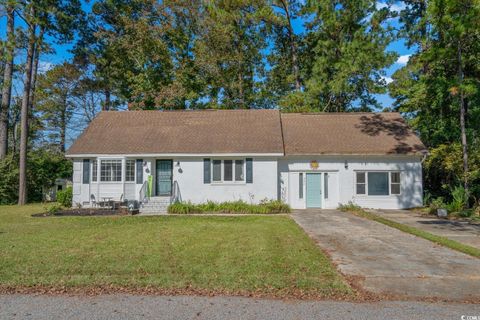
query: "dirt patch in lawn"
87, 212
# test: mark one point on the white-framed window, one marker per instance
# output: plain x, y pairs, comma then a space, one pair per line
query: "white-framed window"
130, 170
300, 185
361, 184
228, 170
325, 185
377, 183
111, 170
239, 170
395, 183
94, 170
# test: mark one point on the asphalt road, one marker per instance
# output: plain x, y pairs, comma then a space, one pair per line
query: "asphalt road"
185, 307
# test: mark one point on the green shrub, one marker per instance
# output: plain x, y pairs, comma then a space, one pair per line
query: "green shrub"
264, 207
459, 200
436, 204
52, 209
64, 197
350, 206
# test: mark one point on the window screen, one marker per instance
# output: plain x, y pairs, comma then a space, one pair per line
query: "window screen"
227, 170
395, 182
217, 170
360, 183
239, 176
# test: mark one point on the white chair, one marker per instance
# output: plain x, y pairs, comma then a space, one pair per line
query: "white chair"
93, 201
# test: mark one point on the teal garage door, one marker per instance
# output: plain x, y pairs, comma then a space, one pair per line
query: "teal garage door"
314, 190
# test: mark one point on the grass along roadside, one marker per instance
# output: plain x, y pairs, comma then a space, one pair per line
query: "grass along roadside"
449, 243
242, 254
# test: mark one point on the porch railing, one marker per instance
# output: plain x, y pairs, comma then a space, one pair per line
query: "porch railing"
144, 194
176, 196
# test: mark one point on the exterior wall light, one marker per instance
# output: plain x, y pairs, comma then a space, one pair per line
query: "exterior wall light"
346, 165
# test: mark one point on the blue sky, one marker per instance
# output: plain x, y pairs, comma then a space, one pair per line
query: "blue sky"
62, 51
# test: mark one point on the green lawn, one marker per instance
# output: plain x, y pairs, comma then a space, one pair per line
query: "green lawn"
270, 255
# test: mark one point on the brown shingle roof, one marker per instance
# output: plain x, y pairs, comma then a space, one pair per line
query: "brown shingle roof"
208, 131
348, 133
246, 131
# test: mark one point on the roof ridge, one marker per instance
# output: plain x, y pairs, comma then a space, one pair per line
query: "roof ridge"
188, 110
339, 113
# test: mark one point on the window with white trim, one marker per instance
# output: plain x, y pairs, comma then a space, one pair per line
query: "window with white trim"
111, 170
361, 183
395, 183
130, 170
300, 185
217, 170
378, 183
94, 170
228, 170
325, 185
239, 175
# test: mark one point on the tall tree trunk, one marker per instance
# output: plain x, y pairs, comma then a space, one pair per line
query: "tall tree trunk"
107, 103
293, 45
463, 115
63, 125
22, 185
36, 58
7, 81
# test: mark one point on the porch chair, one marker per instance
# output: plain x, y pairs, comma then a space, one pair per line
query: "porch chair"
93, 201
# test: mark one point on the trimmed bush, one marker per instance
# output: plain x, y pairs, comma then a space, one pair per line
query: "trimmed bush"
64, 197
350, 206
264, 207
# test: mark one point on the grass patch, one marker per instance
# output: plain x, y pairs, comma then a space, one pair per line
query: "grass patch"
449, 243
264, 207
270, 255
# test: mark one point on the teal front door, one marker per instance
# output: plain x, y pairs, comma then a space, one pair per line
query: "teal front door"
163, 178
314, 190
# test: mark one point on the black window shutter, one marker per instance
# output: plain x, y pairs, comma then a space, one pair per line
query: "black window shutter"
206, 170
86, 171
249, 175
139, 163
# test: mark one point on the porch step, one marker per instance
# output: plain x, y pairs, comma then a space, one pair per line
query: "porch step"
156, 205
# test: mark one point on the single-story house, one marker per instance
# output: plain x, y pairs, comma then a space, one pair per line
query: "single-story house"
308, 160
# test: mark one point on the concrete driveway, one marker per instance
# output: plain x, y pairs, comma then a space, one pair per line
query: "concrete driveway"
459, 230
388, 261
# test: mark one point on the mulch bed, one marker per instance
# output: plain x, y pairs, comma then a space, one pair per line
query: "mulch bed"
85, 212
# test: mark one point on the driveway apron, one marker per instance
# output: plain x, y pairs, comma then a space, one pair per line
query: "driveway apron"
385, 260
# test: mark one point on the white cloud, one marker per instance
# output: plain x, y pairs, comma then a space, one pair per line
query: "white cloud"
403, 59
387, 79
44, 66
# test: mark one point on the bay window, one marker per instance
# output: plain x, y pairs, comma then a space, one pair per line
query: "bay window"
111, 170
94, 171
130, 170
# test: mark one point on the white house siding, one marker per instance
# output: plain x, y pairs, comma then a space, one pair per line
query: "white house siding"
192, 188
188, 173
77, 182
82, 192
341, 181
